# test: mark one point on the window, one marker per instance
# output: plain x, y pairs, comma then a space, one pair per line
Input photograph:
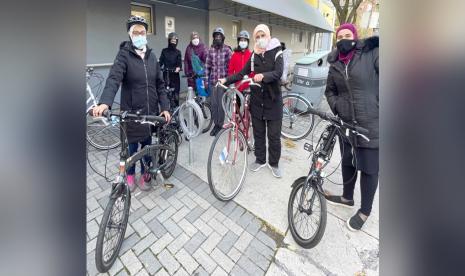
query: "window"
146, 12
236, 25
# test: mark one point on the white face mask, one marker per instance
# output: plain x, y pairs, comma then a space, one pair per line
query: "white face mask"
262, 42
195, 41
243, 44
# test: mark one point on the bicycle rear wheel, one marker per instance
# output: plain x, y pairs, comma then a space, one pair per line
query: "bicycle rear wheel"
297, 120
227, 164
207, 115
306, 208
101, 133
169, 157
112, 229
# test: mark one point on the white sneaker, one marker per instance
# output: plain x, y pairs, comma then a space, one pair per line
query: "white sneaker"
276, 171
256, 166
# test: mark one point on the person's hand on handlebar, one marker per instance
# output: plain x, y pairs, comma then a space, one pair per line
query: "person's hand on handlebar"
258, 78
98, 110
167, 115
222, 81
177, 70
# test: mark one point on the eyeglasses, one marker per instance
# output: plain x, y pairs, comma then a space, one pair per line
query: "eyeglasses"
138, 33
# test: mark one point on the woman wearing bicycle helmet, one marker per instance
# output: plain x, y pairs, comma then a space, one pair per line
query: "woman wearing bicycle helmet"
171, 62
142, 90
353, 94
240, 57
266, 103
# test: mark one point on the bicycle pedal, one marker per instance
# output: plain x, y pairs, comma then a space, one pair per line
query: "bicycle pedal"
308, 147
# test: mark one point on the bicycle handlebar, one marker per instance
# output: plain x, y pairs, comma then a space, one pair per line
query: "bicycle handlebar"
244, 80
126, 115
329, 117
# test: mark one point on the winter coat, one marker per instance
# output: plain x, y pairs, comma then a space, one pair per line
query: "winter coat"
170, 58
237, 62
201, 51
216, 66
352, 91
142, 87
266, 103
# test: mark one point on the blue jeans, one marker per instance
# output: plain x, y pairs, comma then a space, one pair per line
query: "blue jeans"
133, 148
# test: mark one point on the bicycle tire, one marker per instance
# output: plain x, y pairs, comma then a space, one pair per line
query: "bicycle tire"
101, 134
315, 238
102, 264
289, 118
226, 102
170, 139
211, 155
207, 115
198, 119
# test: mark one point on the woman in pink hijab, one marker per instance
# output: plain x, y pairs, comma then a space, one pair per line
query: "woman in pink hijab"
266, 103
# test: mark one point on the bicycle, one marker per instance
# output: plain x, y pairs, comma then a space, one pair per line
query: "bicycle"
163, 153
297, 118
232, 153
288, 83
307, 199
202, 102
101, 132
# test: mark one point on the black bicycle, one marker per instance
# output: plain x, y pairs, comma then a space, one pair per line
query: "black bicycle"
163, 155
306, 211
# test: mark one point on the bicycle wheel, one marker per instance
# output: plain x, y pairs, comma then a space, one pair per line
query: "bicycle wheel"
207, 115
227, 164
306, 209
101, 133
112, 229
169, 157
297, 120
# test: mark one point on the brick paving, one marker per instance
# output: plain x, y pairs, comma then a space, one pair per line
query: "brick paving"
180, 231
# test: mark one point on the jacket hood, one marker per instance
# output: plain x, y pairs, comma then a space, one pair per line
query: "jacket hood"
363, 45
274, 42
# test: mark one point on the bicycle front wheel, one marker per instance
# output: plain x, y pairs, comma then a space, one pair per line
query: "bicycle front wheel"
297, 120
207, 115
169, 156
306, 214
112, 229
227, 164
101, 133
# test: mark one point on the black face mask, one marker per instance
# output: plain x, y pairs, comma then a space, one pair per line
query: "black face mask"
218, 42
345, 45
172, 45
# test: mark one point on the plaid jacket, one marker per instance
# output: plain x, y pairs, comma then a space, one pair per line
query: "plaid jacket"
216, 66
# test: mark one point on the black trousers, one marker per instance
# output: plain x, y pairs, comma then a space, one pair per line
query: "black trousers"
174, 82
217, 105
260, 130
368, 163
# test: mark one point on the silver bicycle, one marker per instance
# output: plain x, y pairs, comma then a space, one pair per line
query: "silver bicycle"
101, 132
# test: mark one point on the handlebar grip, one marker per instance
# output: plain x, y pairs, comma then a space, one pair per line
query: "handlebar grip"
362, 130
155, 118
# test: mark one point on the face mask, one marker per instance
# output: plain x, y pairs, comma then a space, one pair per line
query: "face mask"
139, 41
262, 42
243, 44
195, 41
345, 45
218, 42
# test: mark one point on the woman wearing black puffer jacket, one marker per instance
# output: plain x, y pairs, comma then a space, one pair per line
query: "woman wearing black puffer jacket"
352, 92
137, 70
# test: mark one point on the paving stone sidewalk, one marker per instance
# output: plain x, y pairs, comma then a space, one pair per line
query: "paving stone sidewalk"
180, 231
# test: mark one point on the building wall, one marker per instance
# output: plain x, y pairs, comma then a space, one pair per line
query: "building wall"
284, 34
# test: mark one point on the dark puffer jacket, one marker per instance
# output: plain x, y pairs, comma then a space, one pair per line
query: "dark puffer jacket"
352, 91
142, 87
266, 103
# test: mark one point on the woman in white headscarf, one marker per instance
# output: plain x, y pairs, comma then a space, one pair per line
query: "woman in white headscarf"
266, 103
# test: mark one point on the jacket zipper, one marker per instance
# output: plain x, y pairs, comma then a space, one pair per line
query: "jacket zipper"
147, 89
347, 74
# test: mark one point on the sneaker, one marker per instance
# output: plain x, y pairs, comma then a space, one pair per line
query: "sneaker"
276, 171
355, 223
144, 182
131, 181
256, 166
337, 200
214, 131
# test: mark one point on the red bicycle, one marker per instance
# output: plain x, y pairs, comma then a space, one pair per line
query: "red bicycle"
228, 158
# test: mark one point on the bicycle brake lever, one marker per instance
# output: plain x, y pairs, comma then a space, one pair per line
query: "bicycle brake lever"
364, 137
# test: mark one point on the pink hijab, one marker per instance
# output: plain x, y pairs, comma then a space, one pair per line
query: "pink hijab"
351, 27
264, 28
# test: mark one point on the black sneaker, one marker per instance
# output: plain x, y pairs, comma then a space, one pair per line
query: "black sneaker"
355, 223
337, 200
214, 131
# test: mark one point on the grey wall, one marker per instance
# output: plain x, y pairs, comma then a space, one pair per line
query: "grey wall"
106, 28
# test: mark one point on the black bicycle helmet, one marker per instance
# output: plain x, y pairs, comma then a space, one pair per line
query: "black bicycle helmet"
243, 34
173, 35
135, 19
218, 30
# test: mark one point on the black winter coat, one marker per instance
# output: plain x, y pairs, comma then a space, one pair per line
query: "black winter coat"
266, 103
142, 87
170, 58
353, 91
